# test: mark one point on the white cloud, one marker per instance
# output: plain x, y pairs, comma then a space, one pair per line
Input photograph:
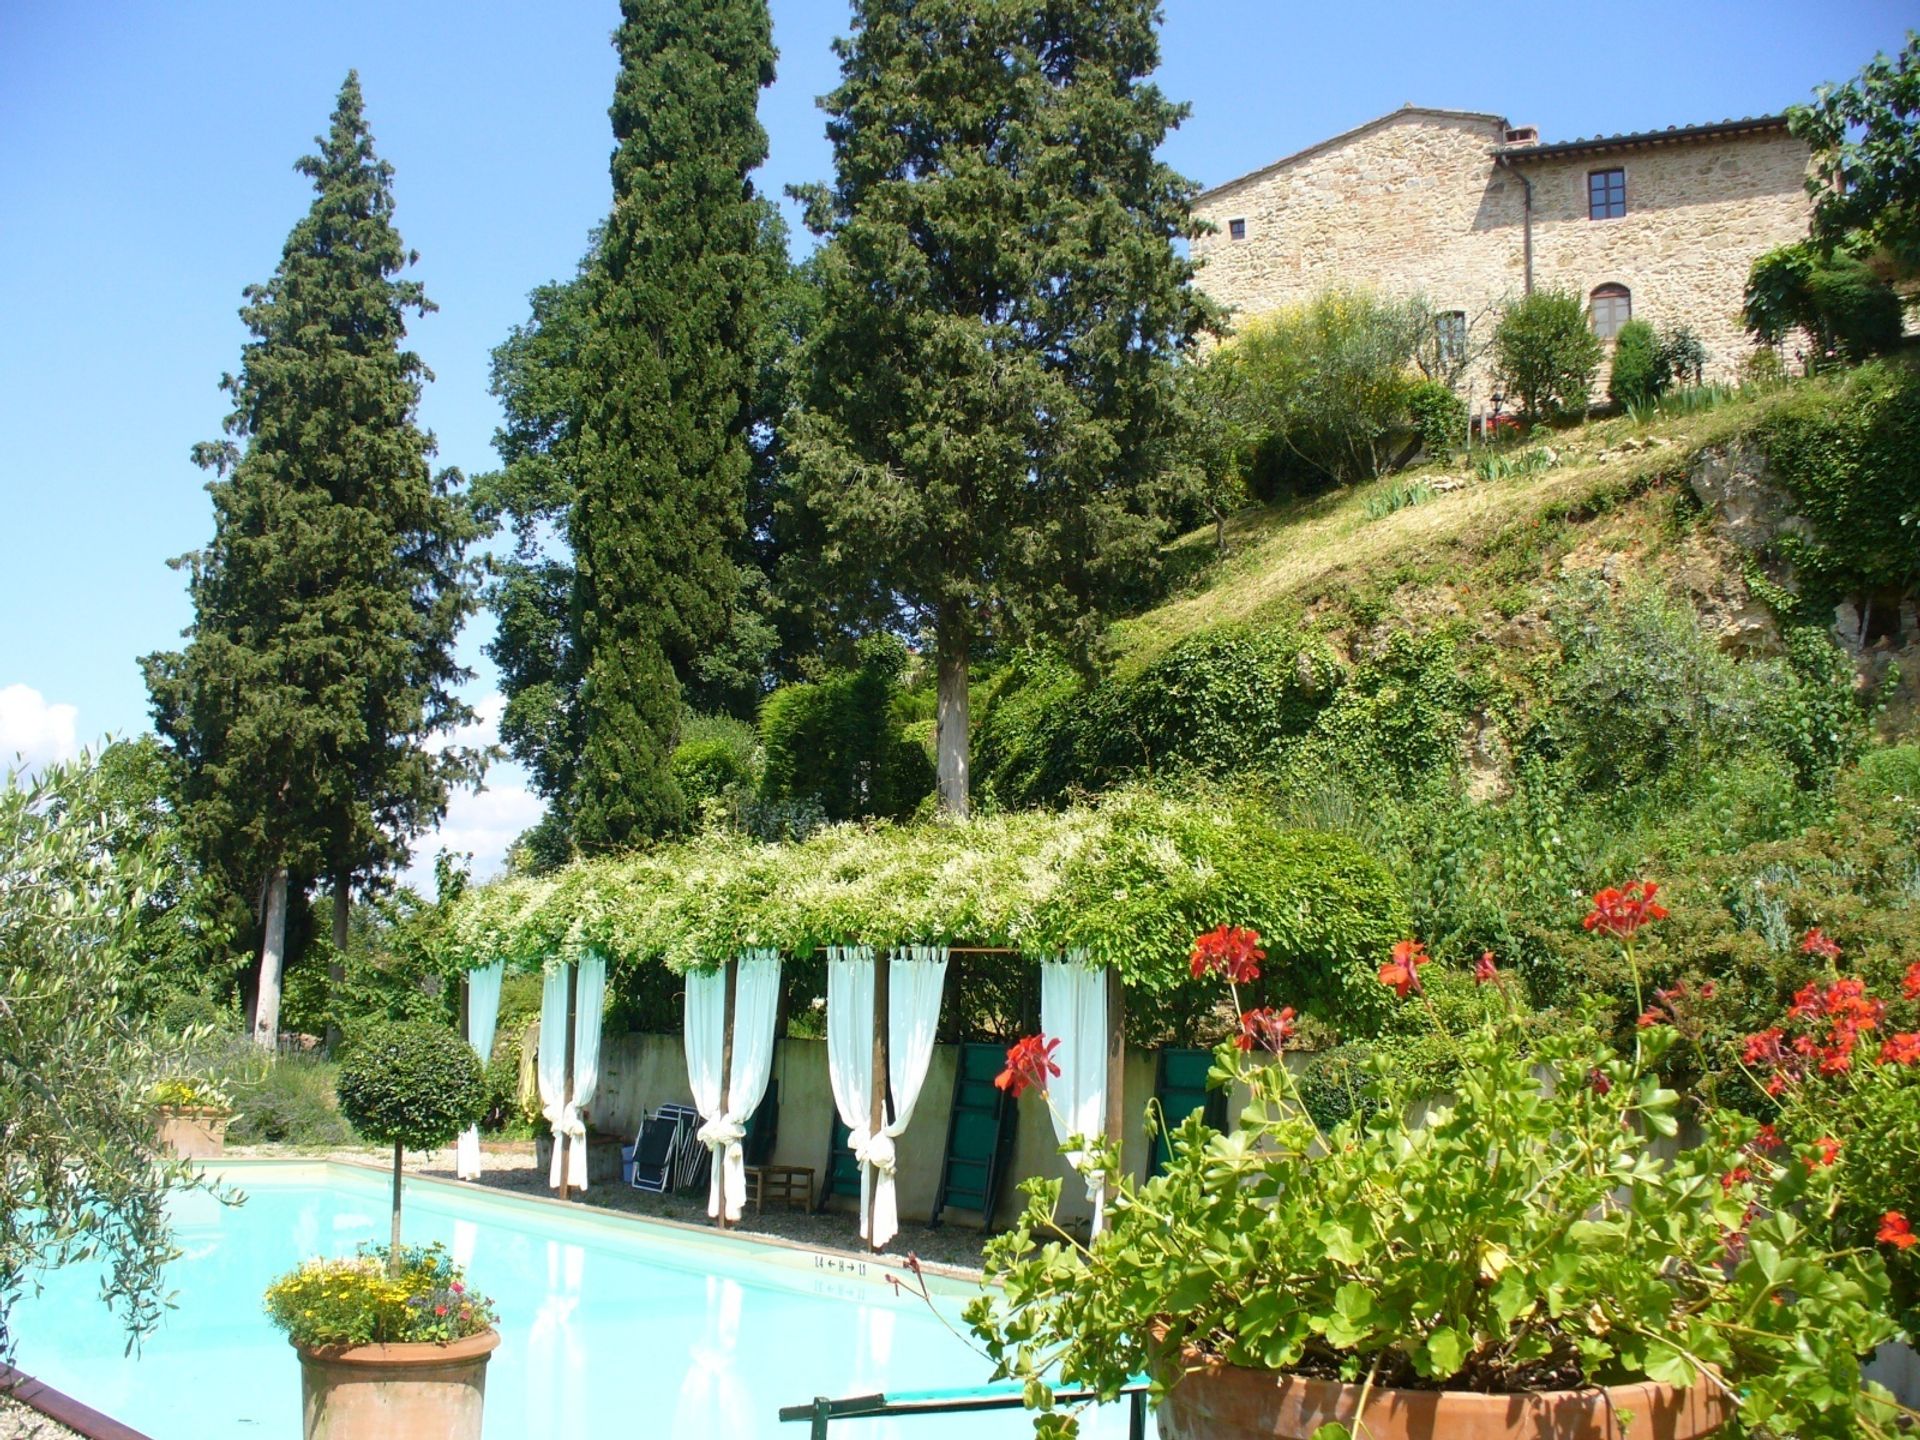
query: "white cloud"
32, 731
483, 823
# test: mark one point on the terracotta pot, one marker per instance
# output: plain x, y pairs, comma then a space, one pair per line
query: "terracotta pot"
395, 1392
1226, 1402
192, 1132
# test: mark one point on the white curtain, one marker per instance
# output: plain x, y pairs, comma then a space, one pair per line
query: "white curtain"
483, 1010
850, 1052
756, 1003
914, 986
590, 997
552, 1066
915, 980
1073, 1010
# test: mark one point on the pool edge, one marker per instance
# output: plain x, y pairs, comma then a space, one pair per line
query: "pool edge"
62, 1408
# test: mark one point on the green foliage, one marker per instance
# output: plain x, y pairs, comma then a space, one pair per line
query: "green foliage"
1848, 311
988, 418
366, 1300
717, 761
1683, 356
1330, 382
1439, 417
411, 1084
1545, 354
81, 1177
1398, 496
281, 1099
668, 369
1123, 882
1865, 137
1391, 1251
1891, 773
1850, 456
1640, 371
321, 655
841, 744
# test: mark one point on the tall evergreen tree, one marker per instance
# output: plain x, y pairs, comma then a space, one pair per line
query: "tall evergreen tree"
320, 662
984, 444
668, 379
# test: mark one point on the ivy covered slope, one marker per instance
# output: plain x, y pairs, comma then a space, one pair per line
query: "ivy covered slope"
1679, 644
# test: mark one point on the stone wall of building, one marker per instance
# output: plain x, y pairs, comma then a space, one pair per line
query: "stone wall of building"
1697, 217
1415, 205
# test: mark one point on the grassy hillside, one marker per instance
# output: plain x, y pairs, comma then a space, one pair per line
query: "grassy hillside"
1521, 677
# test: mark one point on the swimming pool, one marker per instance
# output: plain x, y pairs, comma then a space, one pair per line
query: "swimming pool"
609, 1325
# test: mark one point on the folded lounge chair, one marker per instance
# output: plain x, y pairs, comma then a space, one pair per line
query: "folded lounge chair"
655, 1149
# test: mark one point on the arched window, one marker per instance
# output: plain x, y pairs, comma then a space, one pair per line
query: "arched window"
1608, 308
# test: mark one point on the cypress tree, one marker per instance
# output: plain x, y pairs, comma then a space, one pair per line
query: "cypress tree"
668, 379
985, 442
320, 660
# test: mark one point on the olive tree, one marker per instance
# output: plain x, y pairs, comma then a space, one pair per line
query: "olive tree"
410, 1084
1546, 354
80, 1174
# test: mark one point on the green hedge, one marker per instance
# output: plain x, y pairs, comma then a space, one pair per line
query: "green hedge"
1130, 881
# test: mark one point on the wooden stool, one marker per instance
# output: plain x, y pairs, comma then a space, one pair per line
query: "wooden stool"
789, 1185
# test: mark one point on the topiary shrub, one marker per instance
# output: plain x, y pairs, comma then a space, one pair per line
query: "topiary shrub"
1440, 417
1546, 354
1638, 373
412, 1085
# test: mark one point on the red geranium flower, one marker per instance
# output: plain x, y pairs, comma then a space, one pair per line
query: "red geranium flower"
1485, 972
1901, 1049
1650, 1017
1620, 913
1895, 1231
1230, 951
1767, 1140
1029, 1062
1739, 1175
1829, 1149
1765, 1047
1817, 943
1598, 1082
1265, 1027
1402, 972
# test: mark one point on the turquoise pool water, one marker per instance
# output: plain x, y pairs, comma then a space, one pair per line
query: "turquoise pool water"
609, 1326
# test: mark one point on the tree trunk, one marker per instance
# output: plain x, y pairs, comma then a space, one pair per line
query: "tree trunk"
393, 1251
273, 949
337, 968
954, 728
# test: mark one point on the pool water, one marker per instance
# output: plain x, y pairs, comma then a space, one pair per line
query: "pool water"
608, 1325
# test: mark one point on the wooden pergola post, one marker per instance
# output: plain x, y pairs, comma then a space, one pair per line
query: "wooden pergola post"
563, 1144
726, 1074
1116, 1070
877, 1115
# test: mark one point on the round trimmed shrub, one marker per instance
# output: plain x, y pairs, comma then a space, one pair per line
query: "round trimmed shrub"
412, 1084
1638, 375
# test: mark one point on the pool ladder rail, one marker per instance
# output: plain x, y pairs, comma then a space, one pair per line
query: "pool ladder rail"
822, 1410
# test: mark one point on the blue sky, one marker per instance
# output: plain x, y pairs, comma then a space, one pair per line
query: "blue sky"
146, 176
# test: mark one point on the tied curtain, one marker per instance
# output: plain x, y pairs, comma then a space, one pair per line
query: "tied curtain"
483, 1010
756, 1003
1073, 1010
562, 1110
916, 977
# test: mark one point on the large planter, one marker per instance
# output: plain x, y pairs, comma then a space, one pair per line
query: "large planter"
395, 1392
1227, 1402
192, 1132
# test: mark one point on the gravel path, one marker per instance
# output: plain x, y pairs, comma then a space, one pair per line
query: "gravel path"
511, 1167
23, 1422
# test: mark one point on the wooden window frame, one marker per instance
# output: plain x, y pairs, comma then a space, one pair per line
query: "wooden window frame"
1611, 197
1613, 293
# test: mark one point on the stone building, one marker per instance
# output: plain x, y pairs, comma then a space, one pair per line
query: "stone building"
1471, 212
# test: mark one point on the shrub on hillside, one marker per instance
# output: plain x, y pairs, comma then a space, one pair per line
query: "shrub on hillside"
1845, 309
1439, 417
1545, 354
1682, 356
1327, 383
1639, 371
1850, 455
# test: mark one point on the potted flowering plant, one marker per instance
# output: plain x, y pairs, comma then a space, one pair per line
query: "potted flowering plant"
190, 1117
1520, 1257
392, 1344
